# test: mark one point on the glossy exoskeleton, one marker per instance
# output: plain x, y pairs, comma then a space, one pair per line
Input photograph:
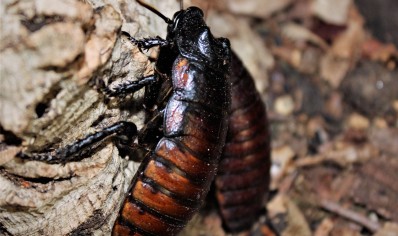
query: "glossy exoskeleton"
243, 177
172, 183
244, 172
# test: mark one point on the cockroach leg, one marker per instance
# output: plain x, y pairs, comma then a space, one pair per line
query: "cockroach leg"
130, 87
123, 131
146, 43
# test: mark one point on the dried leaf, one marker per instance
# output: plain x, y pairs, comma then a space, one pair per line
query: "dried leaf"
348, 44
257, 8
277, 205
332, 11
298, 32
358, 122
333, 69
297, 224
324, 228
389, 229
344, 51
375, 50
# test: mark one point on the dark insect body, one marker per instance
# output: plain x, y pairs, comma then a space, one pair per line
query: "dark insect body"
173, 181
244, 171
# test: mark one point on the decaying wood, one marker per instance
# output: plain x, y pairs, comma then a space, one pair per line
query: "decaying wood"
52, 54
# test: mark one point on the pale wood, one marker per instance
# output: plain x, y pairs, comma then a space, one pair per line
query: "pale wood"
50, 52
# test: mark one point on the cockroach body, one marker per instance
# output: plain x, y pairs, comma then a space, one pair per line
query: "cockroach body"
172, 183
243, 177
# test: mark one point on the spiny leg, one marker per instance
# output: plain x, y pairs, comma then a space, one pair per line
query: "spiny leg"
129, 87
124, 131
132, 86
146, 43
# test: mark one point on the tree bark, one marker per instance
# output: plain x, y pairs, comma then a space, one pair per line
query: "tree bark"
52, 52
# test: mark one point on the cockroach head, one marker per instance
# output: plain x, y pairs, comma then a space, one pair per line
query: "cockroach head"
194, 40
186, 23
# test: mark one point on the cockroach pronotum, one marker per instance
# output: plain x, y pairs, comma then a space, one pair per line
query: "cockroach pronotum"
244, 171
173, 181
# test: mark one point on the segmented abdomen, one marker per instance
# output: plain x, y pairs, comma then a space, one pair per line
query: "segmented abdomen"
243, 176
172, 183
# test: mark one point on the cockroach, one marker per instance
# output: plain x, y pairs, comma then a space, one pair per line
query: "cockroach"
172, 183
244, 171
243, 175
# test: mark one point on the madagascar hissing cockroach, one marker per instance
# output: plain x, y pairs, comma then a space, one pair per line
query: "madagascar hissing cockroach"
244, 170
172, 183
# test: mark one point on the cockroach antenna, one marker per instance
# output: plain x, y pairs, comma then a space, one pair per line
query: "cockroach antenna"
154, 10
181, 4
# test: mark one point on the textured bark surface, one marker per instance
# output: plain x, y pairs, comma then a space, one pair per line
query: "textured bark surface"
52, 52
